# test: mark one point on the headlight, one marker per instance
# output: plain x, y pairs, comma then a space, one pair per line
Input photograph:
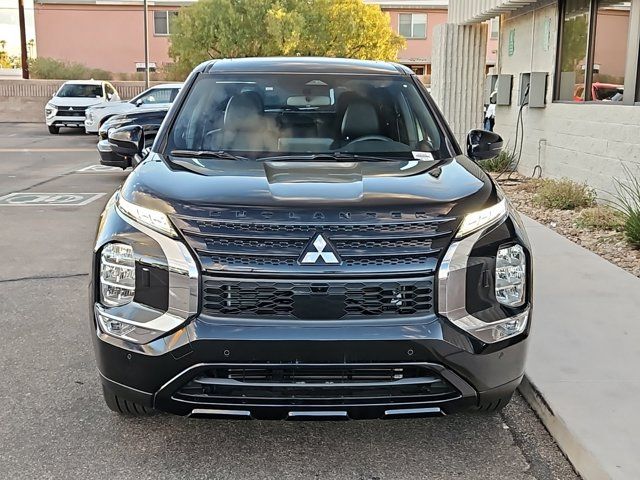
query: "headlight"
511, 276
482, 218
90, 116
117, 274
50, 110
158, 221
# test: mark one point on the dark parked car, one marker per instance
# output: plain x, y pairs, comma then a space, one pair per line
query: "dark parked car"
149, 118
307, 239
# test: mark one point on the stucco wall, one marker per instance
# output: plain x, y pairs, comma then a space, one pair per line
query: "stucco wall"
585, 142
422, 48
100, 36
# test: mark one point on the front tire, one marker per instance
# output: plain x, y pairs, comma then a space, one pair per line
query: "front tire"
124, 407
53, 130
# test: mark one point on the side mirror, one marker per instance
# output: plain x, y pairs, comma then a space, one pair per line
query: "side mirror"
127, 141
482, 144
139, 102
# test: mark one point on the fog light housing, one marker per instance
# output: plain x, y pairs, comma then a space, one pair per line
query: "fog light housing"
117, 274
511, 276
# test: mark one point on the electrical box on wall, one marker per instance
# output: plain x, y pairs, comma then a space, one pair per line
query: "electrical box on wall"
504, 85
538, 90
489, 87
533, 89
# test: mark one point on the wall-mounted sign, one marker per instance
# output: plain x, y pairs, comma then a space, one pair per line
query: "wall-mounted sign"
546, 34
140, 66
512, 42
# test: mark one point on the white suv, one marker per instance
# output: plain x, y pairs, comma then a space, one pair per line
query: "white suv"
67, 107
158, 95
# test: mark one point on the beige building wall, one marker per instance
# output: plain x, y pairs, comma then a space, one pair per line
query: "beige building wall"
587, 142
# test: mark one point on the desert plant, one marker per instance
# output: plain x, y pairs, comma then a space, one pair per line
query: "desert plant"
563, 194
600, 218
626, 199
50, 68
500, 163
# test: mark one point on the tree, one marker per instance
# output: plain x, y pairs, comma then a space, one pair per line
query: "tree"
212, 29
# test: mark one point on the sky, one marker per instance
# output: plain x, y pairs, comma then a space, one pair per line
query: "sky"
9, 31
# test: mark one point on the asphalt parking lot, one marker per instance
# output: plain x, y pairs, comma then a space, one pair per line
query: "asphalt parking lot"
53, 423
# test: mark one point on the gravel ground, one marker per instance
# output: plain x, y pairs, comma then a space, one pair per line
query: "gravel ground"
608, 244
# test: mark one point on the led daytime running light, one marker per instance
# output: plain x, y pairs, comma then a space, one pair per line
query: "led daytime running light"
474, 221
151, 218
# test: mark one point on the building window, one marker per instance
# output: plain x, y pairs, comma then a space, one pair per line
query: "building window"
412, 25
495, 28
593, 50
163, 21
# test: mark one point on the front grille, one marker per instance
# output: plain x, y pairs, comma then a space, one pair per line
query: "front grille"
309, 300
71, 111
317, 385
276, 246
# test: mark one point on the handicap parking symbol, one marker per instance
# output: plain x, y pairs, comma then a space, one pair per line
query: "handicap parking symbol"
39, 199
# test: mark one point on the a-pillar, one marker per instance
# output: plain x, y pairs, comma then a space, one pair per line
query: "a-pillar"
458, 71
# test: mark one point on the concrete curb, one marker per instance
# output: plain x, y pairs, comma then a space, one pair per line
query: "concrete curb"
583, 461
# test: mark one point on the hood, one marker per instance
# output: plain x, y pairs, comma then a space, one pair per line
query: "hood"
76, 101
450, 187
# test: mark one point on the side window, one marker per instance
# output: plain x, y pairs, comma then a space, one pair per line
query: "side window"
157, 95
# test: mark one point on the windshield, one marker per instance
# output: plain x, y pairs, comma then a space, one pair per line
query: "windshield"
271, 115
80, 90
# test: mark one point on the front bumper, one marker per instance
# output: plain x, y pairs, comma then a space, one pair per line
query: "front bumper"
160, 374
66, 121
109, 158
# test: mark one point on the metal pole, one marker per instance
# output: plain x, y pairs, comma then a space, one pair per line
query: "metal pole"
146, 45
23, 41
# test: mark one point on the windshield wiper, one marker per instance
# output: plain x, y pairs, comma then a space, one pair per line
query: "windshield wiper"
336, 157
206, 154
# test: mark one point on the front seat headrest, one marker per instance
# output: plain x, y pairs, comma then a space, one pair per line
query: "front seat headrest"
360, 119
244, 111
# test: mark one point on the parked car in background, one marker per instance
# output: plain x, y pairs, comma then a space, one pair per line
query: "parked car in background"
158, 95
149, 118
68, 105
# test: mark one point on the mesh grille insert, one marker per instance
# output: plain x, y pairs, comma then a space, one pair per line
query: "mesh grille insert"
317, 300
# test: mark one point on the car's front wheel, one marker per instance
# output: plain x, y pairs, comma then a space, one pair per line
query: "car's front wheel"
54, 130
124, 407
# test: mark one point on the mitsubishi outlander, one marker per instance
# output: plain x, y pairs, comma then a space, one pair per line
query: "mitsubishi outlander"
306, 239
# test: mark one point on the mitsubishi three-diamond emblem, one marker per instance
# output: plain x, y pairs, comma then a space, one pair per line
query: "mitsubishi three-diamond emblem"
319, 251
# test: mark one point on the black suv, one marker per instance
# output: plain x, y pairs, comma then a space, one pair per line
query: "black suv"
306, 239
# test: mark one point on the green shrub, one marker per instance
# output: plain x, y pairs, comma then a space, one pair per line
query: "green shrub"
500, 163
50, 68
600, 218
563, 194
627, 202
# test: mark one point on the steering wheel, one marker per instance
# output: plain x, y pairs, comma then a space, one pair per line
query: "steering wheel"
374, 138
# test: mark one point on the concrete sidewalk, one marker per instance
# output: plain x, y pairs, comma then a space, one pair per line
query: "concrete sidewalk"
583, 370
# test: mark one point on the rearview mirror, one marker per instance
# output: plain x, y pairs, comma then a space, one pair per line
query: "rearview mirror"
482, 144
127, 141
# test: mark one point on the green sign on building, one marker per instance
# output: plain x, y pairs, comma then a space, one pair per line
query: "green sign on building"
512, 42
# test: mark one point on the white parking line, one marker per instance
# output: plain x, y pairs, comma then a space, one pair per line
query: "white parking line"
48, 199
45, 150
